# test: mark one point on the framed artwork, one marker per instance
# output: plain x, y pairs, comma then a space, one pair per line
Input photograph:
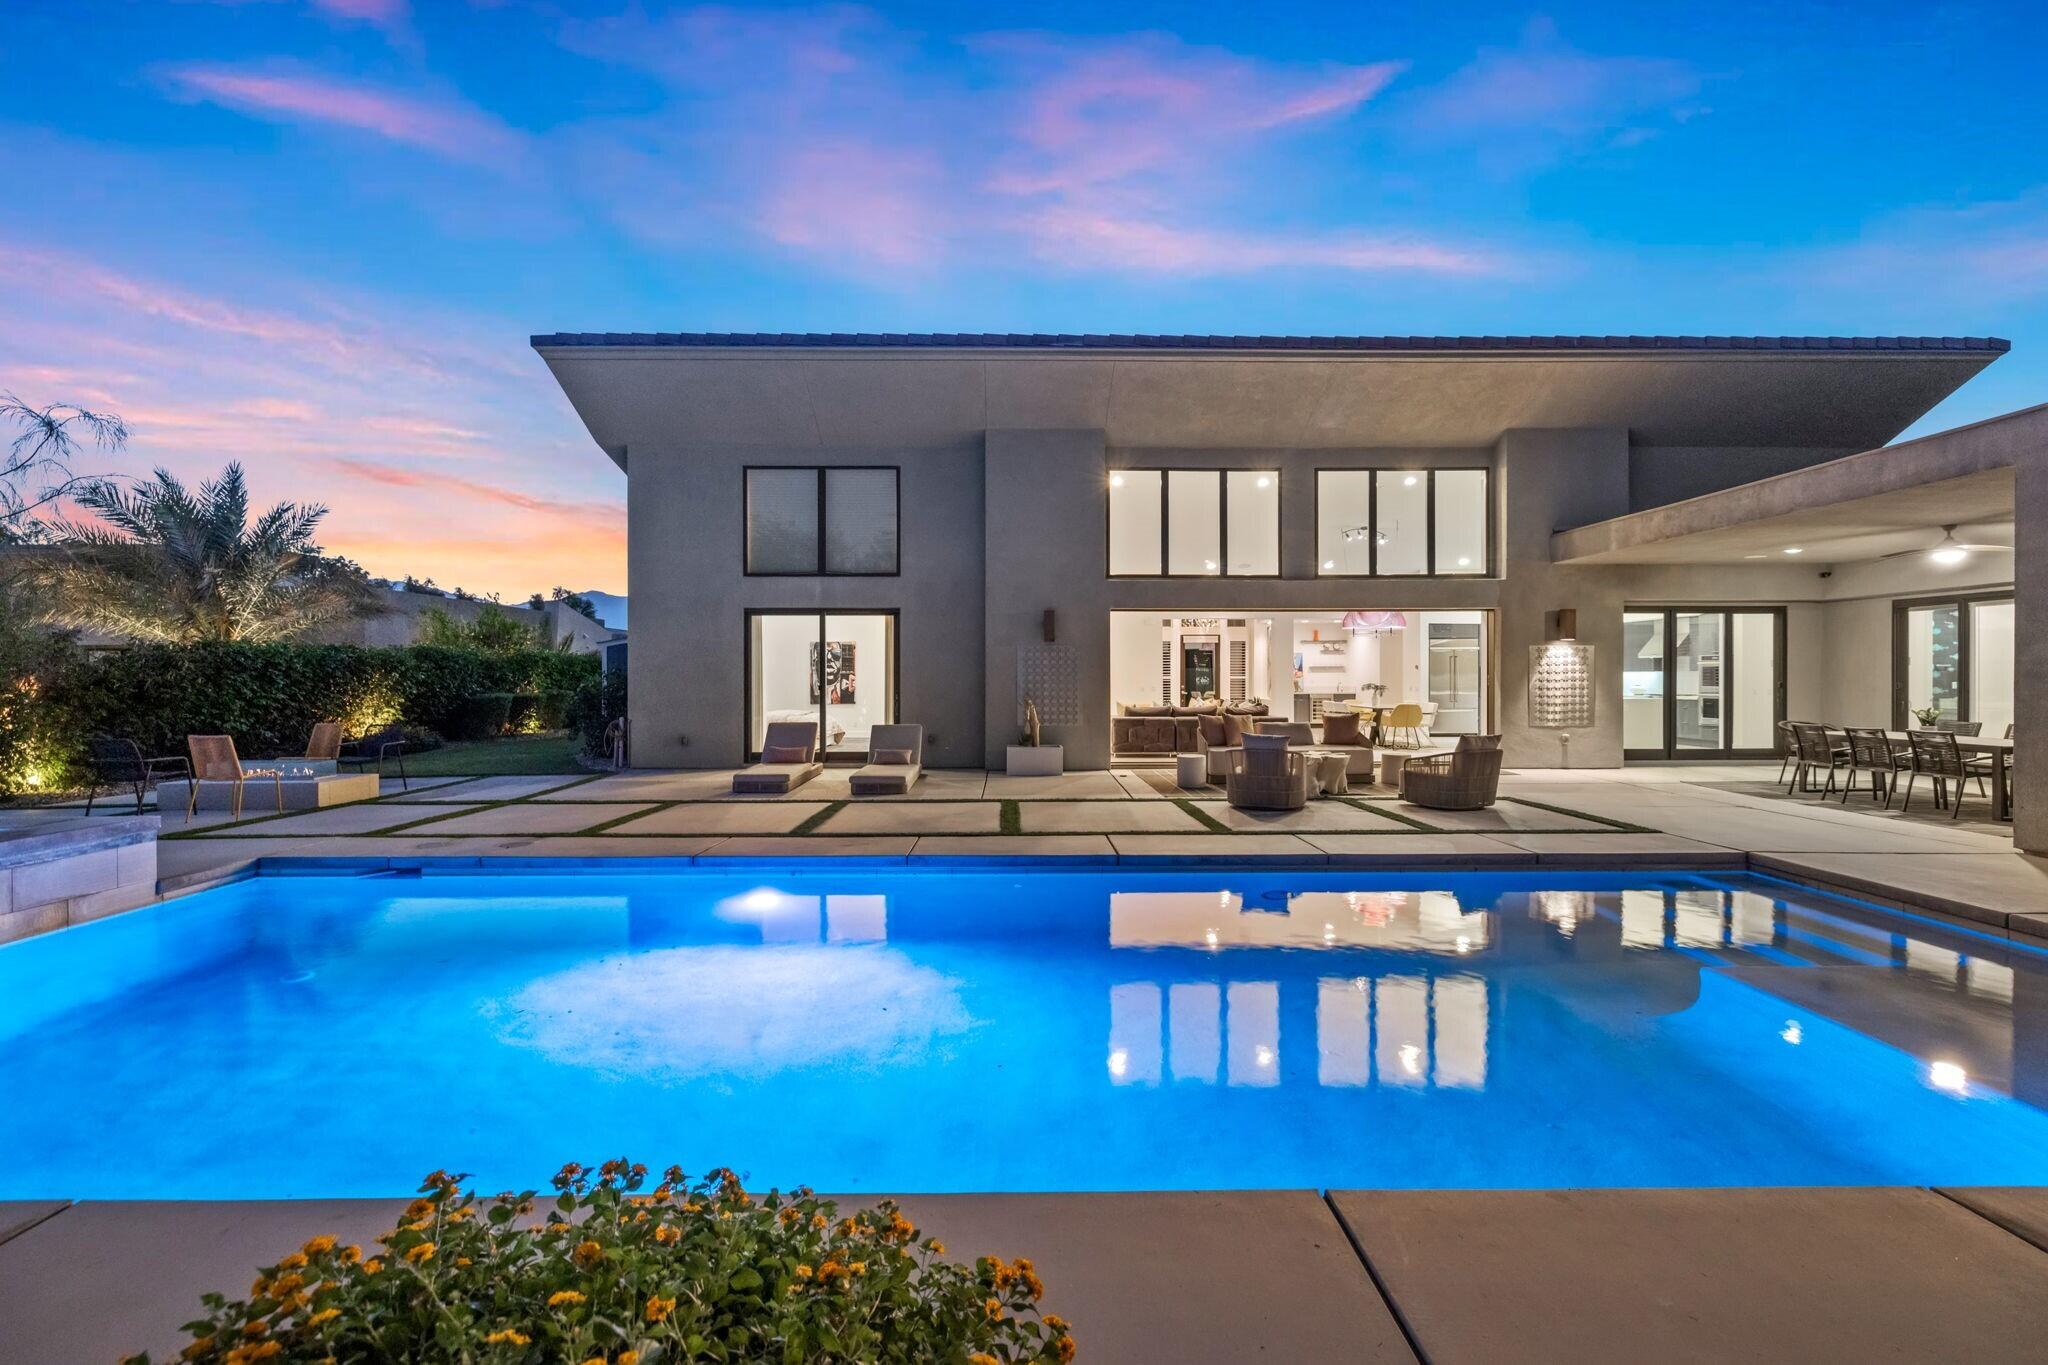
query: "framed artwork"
836, 673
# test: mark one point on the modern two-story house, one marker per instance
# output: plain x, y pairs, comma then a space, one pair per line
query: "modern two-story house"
933, 528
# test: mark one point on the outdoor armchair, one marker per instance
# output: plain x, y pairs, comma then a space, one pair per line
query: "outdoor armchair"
1266, 775
214, 760
115, 762
385, 742
1467, 778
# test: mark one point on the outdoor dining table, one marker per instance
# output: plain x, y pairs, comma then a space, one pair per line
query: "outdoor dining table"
2001, 754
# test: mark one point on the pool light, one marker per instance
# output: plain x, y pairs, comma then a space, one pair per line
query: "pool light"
1792, 1033
1948, 1076
1119, 1062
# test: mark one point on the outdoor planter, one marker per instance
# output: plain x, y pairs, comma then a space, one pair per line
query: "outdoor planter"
1035, 760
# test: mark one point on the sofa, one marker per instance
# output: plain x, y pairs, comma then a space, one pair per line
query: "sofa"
1141, 729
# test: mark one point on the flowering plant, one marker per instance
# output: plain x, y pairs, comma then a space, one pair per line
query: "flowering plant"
689, 1271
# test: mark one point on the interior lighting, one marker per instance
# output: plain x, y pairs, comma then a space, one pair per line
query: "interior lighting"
1265, 481
1408, 482
1116, 481
1949, 554
1795, 550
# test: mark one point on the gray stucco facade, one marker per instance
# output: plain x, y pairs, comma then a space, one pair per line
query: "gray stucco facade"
1005, 448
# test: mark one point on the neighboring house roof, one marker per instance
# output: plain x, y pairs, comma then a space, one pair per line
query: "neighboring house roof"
1124, 342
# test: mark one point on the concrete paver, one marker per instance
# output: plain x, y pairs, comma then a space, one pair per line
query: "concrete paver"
1697, 1275
1277, 850
1420, 850
957, 817
724, 817
19, 1215
1326, 816
570, 817
2003, 890
364, 817
1107, 817
1622, 850
1071, 849
885, 849
1067, 786
2021, 1210
502, 788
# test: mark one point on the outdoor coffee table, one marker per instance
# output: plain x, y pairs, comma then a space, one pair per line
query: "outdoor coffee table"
302, 790
1329, 769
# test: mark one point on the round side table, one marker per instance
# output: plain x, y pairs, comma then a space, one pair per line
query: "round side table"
1191, 770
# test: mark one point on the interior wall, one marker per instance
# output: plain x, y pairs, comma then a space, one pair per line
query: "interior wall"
1134, 656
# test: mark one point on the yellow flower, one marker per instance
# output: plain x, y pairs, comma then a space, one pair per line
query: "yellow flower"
507, 1337
283, 1285
659, 1308
994, 1309
938, 1247
199, 1347
982, 1358
628, 1358
421, 1254
1065, 1347
587, 1254
859, 1267
562, 1296
320, 1245
819, 1220
804, 1272
324, 1315
666, 1234
351, 1253
1056, 1322
373, 1265
464, 1262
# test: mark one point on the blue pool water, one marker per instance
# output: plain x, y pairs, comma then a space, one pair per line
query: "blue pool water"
922, 1031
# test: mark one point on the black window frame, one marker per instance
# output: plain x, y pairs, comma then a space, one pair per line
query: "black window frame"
1965, 664
1672, 751
1372, 517
1222, 473
747, 568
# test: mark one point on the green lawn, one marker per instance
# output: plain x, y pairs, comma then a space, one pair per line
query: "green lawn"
523, 754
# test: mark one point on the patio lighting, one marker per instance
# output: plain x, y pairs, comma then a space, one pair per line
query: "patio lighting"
1949, 554
1794, 550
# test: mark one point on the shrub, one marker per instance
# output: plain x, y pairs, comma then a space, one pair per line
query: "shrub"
268, 696
534, 713
481, 716
690, 1271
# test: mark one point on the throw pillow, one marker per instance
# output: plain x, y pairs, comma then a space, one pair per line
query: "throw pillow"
785, 753
1212, 730
1340, 727
1233, 732
890, 758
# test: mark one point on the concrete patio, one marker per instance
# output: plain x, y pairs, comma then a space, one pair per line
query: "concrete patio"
1283, 1275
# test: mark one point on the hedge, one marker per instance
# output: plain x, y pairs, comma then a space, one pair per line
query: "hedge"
269, 696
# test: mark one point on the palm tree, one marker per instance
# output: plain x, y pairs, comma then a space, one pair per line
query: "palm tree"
33, 469
170, 566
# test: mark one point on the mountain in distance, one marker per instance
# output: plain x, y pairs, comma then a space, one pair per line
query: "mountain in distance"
611, 608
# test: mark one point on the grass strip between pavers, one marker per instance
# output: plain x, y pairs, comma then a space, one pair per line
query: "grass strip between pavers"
819, 817
603, 826
1398, 817
1211, 823
1011, 820
1620, 826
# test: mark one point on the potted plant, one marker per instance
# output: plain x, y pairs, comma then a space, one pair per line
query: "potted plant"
1928, 716
1034, 757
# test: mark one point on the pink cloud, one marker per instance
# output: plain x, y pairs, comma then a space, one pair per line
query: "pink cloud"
440, 445
445, 127
1081, 239
1544, 87
858, 202
381, 12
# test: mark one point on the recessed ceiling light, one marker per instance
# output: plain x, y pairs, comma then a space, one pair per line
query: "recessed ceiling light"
1464, 561
1408, 482
1329, 564
1265, 481
1756, 556
1794, 550
1116, 481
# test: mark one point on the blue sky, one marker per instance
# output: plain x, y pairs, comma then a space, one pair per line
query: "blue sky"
313, 235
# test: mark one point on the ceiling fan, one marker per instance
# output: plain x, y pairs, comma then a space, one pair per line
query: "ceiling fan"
1947, 550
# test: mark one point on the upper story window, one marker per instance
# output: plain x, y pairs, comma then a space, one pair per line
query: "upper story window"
1401, 522
835, 519
1194, 523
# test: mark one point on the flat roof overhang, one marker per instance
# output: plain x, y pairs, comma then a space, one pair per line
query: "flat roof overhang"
805, 392
1859, 507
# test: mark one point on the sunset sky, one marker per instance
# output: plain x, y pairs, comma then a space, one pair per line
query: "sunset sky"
314, 235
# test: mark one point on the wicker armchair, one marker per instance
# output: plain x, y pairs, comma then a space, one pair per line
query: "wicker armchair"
214, 760
1468, 778
1264, 775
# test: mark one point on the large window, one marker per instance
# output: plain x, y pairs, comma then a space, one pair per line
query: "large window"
1955, 656
1401, 523
1194, 523
839, 519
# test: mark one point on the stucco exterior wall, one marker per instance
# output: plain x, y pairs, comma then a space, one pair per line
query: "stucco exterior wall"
1665, 474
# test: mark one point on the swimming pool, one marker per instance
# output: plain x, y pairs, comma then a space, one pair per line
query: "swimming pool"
924, 1031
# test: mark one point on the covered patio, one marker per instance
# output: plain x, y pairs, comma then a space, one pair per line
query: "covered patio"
1889, 558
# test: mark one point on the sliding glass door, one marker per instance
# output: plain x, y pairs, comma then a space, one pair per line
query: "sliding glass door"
836, 670
1702, 682
1955, 657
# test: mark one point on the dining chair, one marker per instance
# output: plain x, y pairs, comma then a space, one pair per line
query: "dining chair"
1936, 756
214, 760
1818, 751
1871, 751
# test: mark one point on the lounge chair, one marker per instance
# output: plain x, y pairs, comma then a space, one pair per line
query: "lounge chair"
214, 760
789, 758
325, 741
1265, 776
1467, 778
895, 761
116, 762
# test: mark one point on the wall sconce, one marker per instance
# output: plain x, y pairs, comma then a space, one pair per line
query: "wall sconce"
1561, 677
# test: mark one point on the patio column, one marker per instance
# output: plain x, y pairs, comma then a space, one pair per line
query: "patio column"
2030, 650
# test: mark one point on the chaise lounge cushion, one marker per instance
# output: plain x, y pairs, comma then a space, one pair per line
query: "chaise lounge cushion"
772, 779
893, 778
889, 758
786, 753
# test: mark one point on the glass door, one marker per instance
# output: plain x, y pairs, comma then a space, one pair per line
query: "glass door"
1702, 682
836, 671
1954, 658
